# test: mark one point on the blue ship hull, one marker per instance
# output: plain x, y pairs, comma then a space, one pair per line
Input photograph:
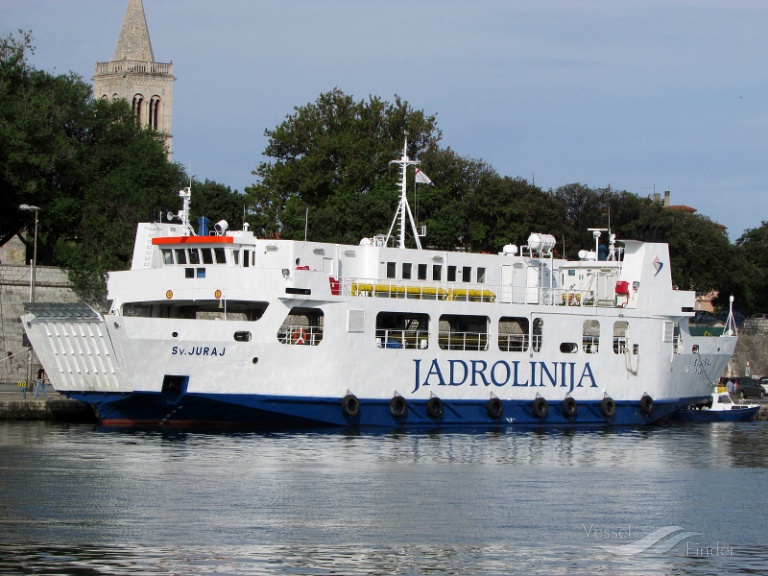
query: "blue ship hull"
189, 410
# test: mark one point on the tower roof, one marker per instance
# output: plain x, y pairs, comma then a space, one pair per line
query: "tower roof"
134, 42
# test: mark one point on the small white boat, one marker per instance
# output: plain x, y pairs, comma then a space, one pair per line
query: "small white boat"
721, 408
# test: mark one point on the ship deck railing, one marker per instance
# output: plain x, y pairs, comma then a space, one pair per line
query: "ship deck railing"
449, 340
409, 339
300, 335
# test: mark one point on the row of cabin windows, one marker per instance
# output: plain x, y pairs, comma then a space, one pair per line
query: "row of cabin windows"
462, 332
194, 256
407, 270
397, 330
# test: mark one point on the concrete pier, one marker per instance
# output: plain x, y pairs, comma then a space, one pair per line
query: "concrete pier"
13, 406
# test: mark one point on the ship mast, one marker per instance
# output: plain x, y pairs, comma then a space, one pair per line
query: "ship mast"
403, 208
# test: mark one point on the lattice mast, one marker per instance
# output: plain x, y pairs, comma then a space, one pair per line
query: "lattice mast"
403, 208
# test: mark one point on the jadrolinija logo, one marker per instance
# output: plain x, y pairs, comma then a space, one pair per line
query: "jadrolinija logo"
657, 542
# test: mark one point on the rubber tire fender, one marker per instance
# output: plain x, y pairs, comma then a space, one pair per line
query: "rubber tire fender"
608, 407
570, 408
540, 408
646, 405
435, 408
350, 405
398, 407
495, 408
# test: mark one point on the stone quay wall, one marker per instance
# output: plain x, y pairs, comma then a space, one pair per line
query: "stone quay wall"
51, 285
752, 348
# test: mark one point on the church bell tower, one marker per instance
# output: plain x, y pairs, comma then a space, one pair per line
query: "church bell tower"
134, 75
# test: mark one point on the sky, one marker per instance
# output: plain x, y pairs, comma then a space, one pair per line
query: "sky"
641, 96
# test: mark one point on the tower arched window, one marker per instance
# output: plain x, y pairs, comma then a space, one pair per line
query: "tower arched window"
138, 101
154, 113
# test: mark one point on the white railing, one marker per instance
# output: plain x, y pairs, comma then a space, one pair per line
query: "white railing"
463, 340
300, 335
413, 339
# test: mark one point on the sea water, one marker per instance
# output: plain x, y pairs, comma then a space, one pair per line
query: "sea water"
687, 499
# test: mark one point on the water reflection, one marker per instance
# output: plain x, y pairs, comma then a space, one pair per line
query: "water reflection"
490, 502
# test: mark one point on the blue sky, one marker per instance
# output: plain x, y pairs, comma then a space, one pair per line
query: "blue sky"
637, 95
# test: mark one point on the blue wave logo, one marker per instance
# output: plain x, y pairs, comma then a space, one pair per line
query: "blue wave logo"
657, 542
658, 264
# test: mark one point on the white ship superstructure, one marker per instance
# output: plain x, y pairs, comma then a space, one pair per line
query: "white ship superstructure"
227, 328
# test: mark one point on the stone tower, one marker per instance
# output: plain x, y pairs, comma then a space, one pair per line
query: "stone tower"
134, 75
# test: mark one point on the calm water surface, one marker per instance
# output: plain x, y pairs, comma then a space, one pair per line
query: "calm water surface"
664, 500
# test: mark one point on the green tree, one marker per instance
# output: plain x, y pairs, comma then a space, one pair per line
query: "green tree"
331, 161
216, 202
750, 275
128, 179
41, 126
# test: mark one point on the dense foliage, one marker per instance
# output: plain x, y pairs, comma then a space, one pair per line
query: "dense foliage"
95, 173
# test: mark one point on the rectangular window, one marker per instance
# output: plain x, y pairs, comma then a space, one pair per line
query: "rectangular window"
167, 256
463, 332
194, 256
451, 273
402, 330
466, 274
220, 256
391, 270
513, 334
246, 258
407, 270
181, 256
422, 271
207, 255
591, 336
437, 272
481, 276
236, 254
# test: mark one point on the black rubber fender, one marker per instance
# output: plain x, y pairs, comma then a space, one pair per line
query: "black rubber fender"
398, 407
608, 407
495, 408
646, 405
350, 405
435, 407
570, 408
540, 408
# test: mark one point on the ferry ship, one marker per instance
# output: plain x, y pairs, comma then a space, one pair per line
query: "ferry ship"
221, 328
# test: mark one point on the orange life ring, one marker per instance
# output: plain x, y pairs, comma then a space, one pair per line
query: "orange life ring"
299, 336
